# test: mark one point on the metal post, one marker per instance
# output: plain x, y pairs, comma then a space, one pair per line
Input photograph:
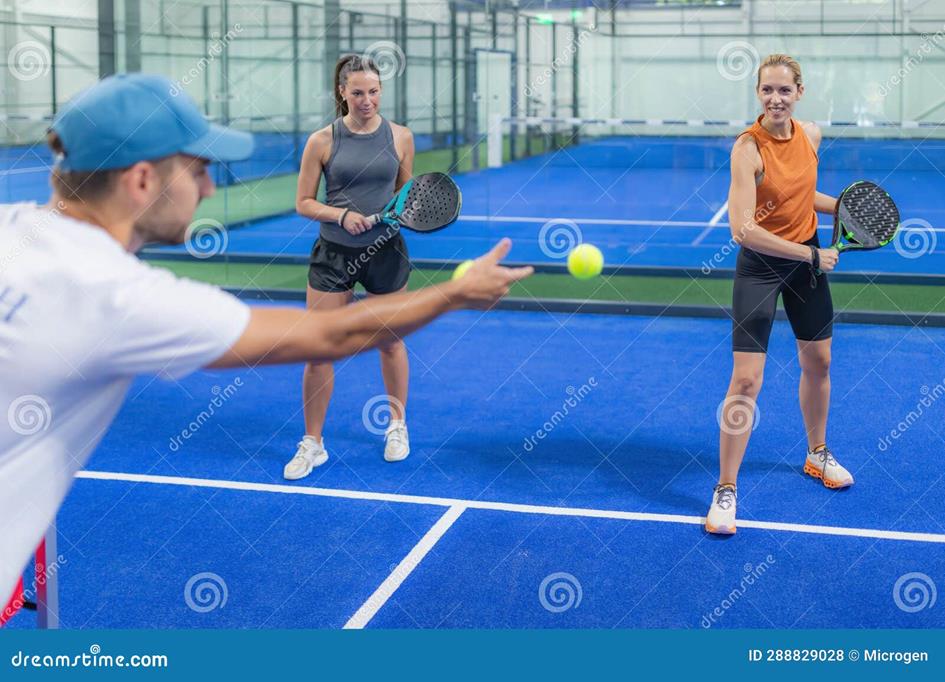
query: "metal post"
513, 129
528, 81
207, 95
106, 38
433, 79
296, 113
402, 84
52, 67
454, 88
132, 36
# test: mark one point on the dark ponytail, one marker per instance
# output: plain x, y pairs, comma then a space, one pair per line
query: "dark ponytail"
349, 64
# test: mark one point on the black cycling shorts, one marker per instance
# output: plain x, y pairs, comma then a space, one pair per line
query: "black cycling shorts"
381, 269
759, 279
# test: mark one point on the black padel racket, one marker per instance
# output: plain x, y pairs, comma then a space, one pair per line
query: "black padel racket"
425, 203
866, 218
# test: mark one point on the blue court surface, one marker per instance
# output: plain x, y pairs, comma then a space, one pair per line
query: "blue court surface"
650, 202
557, 478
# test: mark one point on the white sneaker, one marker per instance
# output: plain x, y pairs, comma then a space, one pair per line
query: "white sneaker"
821, 464
310, 454
721, 516
398, 445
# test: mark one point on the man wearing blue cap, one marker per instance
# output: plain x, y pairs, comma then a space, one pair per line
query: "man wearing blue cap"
80, 316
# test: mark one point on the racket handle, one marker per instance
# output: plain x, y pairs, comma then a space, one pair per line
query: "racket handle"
375, 219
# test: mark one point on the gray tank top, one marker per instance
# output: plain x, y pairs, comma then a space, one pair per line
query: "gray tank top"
360, 174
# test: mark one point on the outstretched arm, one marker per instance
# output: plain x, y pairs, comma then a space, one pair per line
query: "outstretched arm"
281, 335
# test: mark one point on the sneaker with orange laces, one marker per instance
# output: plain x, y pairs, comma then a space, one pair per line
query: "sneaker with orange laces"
821, 464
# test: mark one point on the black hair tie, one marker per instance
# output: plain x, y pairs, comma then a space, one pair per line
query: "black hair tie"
814, 265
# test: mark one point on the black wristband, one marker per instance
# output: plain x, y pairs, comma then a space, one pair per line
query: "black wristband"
341, 220
815, 257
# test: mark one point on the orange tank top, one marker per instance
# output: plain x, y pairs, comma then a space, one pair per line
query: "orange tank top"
784, 201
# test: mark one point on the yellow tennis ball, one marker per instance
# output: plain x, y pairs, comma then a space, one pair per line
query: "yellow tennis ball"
585, 261
461, 269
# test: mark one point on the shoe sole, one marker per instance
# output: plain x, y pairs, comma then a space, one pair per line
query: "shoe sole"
396, 459
317, 463
720, 530
813, 471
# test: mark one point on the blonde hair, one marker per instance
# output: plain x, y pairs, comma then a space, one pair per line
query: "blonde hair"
781, 60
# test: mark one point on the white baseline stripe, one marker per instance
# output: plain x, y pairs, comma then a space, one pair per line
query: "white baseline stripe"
715, 222
506, 506
387, 588
711, 226
593, 221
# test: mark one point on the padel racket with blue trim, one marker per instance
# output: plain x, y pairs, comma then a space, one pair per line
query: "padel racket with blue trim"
425, 203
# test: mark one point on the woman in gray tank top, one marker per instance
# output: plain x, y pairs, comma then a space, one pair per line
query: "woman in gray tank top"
365, 159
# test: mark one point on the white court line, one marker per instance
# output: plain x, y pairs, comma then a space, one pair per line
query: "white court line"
507, 506
594, 221
712, 224
715, 222
387, 588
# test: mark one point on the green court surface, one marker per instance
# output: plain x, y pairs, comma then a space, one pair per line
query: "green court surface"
847, 296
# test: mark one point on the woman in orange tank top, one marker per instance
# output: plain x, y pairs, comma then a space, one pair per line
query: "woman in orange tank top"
773, 204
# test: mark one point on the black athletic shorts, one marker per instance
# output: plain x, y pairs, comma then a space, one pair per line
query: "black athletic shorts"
381, 269
759, 279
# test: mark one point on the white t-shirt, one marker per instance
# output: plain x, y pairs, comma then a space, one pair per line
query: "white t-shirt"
79, 318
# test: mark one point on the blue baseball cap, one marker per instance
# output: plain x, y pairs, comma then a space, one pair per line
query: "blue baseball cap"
135, 117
